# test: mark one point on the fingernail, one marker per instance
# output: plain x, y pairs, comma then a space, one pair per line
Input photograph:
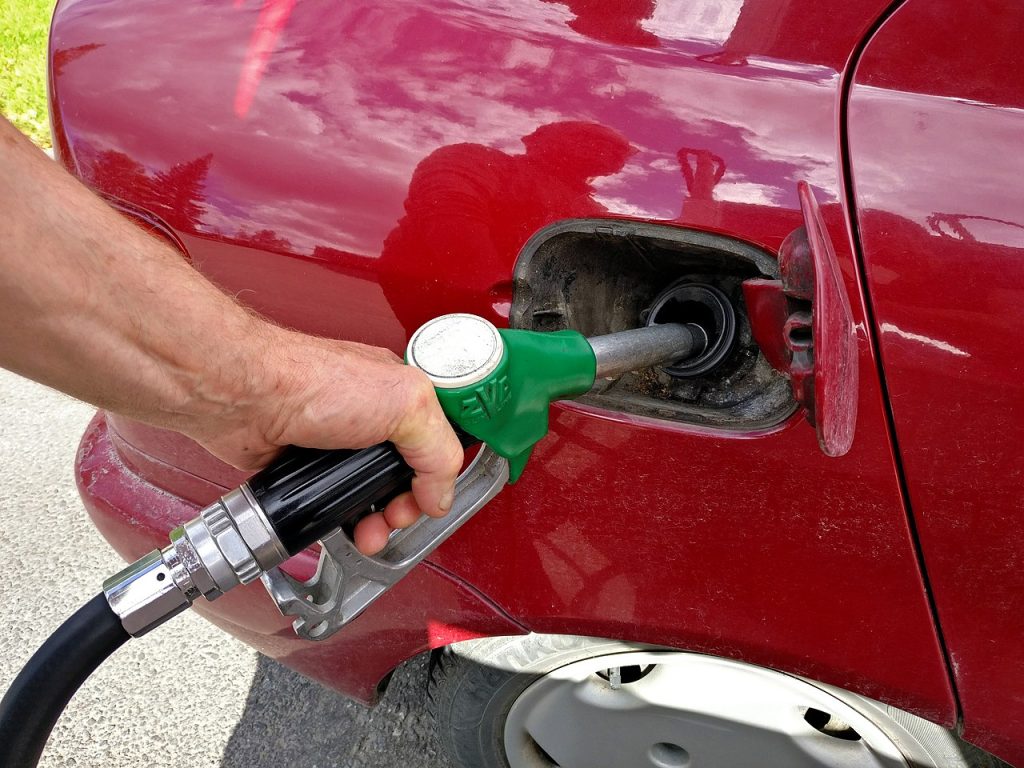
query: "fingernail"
447, 500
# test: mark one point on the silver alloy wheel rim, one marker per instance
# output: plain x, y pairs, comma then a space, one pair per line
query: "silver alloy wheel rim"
689, 711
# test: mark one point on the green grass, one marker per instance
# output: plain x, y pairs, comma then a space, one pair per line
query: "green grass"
24, 25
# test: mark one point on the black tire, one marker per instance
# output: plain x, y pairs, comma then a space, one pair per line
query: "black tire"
473, 686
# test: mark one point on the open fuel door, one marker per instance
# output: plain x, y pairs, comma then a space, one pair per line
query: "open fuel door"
803, 324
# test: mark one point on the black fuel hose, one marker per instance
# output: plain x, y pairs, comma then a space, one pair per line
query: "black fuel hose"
42, 690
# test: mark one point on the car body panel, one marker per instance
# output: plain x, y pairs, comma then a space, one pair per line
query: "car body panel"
936, 120
353, 171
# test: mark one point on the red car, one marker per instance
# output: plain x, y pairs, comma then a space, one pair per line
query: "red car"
730, 564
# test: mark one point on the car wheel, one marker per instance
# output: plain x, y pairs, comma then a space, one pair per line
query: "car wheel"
546, 701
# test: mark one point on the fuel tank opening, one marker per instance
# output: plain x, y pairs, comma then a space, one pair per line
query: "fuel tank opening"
702, 305
601, 276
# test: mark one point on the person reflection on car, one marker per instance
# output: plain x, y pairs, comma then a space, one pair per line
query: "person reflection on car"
471, 208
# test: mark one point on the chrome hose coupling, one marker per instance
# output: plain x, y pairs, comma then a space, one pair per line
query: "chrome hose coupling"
229, 543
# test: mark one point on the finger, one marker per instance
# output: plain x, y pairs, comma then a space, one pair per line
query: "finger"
430, 447
444, 502
402, 511
371, 534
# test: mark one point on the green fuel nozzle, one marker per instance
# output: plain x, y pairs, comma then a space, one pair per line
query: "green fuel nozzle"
498, 385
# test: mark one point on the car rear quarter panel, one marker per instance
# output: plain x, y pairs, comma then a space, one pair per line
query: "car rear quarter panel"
355, 169
936, 121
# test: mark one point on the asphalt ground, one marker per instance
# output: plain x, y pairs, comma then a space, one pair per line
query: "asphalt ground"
187, 694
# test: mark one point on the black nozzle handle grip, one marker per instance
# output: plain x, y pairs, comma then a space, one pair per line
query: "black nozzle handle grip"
307, 493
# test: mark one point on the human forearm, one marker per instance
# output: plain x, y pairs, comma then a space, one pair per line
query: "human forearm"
85, 297
95, 307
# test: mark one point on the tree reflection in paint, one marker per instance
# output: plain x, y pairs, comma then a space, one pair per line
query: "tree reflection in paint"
174, 195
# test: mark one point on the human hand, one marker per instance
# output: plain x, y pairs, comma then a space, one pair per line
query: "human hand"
322, 393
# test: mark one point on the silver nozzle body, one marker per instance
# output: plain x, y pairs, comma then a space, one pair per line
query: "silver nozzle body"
229, 543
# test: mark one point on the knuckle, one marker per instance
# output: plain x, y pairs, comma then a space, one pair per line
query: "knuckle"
422, 391
416, 410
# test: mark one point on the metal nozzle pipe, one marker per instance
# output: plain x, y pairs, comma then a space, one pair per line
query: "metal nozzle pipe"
639, 348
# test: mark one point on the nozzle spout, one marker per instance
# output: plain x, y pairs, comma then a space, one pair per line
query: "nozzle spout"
639, 348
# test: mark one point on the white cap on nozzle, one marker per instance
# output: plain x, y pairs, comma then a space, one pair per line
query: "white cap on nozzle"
456, 350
